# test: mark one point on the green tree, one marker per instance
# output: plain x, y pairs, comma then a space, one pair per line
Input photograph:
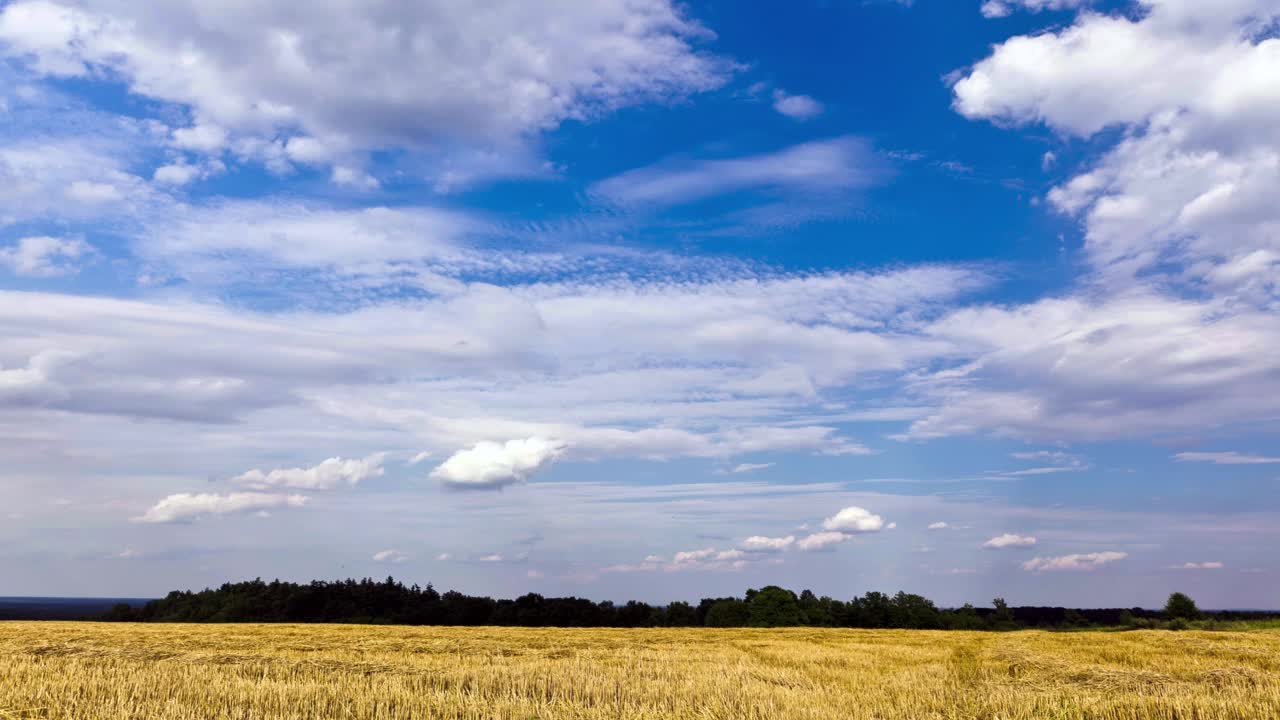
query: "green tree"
914, 611
1002, 618
874, 610
773, 606
728, 613
966, 618
1181, 606
681, 614
1073, 618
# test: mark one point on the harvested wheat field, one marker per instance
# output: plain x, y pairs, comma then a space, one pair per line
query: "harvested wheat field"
88, 671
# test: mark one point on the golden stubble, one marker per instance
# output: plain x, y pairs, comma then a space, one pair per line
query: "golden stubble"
95, 671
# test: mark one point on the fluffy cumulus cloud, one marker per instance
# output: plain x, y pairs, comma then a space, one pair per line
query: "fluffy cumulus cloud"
821, 541
842, 526
1009, 540
189, 506
1086, 561
44, 256
796, 107
1182, 240
854, 520
762, 549
1191, 180
62, 176
938, 525
268, 81
494, 465
390, 556
759, 543
332, 473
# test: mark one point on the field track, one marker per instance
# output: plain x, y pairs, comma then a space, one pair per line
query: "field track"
92, 671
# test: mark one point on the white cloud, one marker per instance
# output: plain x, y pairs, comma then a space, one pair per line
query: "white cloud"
1005, 8
938, 526
343, 175
490, 558
796, 107
93, 192
821, 541
1083, 368
308, 150
331, 473
1088, 561
1226, 458
444, 557
750, 467
220, 238
390, 556
652, 563
420, 457
181, 172
1211, 565
1061, 462
35, 383
188, 506
44, 256
1186, 193
73, 178
820, 166
853, 520
996, 9
759, 543
495, 465
203, 137
705, 559
1009, 540
686, 557
710, 368
176, 174
249, 74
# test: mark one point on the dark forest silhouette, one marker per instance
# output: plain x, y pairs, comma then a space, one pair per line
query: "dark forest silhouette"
391, 602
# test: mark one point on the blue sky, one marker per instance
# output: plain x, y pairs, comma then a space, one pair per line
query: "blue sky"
630, 299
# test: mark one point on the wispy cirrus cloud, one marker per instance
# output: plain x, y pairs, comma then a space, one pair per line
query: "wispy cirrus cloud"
1226, 458
821, 166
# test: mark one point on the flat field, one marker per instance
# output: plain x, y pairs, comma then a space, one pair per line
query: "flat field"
93, 671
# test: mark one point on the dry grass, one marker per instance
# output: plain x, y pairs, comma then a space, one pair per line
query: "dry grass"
89, 671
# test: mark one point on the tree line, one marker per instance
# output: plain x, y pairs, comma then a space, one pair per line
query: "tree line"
392, 602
